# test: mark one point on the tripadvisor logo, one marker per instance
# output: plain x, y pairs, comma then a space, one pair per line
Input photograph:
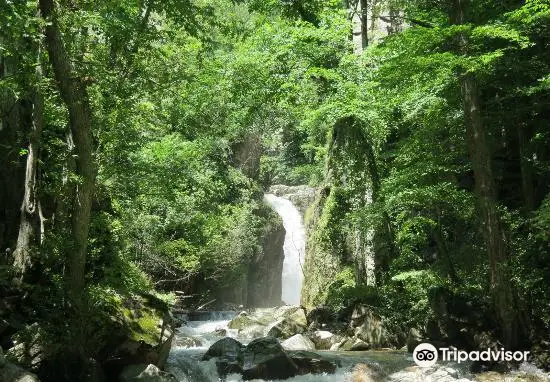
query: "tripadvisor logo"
426, 355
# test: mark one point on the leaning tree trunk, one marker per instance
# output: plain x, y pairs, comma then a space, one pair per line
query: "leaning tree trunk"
29, 226
503, 293
74, 94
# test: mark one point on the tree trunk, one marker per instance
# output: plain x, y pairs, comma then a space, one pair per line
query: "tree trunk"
364, 23
11, 164
504, 296
29, 231
74, 94
527, 183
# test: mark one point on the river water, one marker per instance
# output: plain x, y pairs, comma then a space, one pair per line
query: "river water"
195, 337
392, 366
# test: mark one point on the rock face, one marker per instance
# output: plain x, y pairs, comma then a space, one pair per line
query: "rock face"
265, 270
298, 342
370, 328
260, 284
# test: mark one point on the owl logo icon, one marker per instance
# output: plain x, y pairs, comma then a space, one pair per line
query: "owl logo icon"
425, 355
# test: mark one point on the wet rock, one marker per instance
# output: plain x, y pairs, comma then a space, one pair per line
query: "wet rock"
265, 358
142, 333
226, 347
298, 342
344, 344
241, 321
324, 340
312, 363
145, 373
265, 269
359, 345
228, 354
370, 328
293, 322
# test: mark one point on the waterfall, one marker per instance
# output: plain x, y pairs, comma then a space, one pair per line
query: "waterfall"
294, 248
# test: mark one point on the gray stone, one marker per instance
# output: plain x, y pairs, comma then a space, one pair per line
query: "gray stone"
293, 322
265, 358
324, 340
359, 345
312, 363
298, 342
370, 328
227, 347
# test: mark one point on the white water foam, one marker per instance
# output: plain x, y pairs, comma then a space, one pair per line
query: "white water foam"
294, 248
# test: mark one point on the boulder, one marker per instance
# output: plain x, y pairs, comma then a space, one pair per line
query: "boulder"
298, 342
359, 345
320, 317
265, 358
142, 333
241, 321
145, 373
225, 348
293, 322
324, 340
311, 363
370, 328
228, 354
344, 344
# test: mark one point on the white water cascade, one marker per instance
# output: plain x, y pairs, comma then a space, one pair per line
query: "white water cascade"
294, 248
